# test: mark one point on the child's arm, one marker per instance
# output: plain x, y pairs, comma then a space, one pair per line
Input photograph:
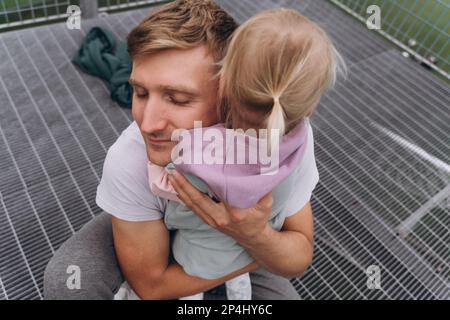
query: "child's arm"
142, 250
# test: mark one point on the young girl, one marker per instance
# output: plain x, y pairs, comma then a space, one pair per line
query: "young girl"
278, 65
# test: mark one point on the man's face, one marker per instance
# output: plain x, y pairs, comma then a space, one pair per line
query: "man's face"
172, 89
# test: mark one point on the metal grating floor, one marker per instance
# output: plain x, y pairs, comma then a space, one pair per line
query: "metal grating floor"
382, 146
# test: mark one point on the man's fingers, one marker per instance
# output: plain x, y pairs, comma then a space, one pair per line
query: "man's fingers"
197, 198
193, 198
182, 194
187, 202
190, 193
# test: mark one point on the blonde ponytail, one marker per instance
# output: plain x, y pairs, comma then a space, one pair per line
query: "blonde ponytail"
275, 121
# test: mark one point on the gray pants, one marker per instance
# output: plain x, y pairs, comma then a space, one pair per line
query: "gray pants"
92, 251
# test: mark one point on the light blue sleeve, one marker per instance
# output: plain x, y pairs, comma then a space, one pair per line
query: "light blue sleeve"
305, 180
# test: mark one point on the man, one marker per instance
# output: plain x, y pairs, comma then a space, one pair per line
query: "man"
175, 53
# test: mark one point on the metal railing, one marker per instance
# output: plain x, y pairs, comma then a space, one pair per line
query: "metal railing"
108, 5
16, 13
420, 27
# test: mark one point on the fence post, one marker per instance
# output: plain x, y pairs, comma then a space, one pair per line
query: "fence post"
89, 8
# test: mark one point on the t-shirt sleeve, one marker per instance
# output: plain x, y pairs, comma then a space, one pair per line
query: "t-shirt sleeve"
307, 177
123, 190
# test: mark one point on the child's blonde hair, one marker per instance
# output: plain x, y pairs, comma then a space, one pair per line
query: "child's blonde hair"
278, 65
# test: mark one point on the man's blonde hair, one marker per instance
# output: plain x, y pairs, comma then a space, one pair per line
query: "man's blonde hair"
278, 64
183, 24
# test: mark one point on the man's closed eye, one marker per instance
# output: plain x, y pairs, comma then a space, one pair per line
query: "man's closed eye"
179, 103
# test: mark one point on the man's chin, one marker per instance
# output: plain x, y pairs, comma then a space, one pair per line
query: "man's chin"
159, 157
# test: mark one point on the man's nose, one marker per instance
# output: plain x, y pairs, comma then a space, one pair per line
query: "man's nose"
155, 117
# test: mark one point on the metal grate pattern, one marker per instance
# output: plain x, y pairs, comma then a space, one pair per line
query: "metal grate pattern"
382, 149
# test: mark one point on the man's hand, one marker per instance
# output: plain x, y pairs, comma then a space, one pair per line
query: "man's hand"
244, 225
287, 252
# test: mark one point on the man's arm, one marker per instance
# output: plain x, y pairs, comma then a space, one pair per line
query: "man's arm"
291, 248
287, 252
142, 249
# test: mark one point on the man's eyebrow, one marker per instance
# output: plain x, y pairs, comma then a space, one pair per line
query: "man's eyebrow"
135, 83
